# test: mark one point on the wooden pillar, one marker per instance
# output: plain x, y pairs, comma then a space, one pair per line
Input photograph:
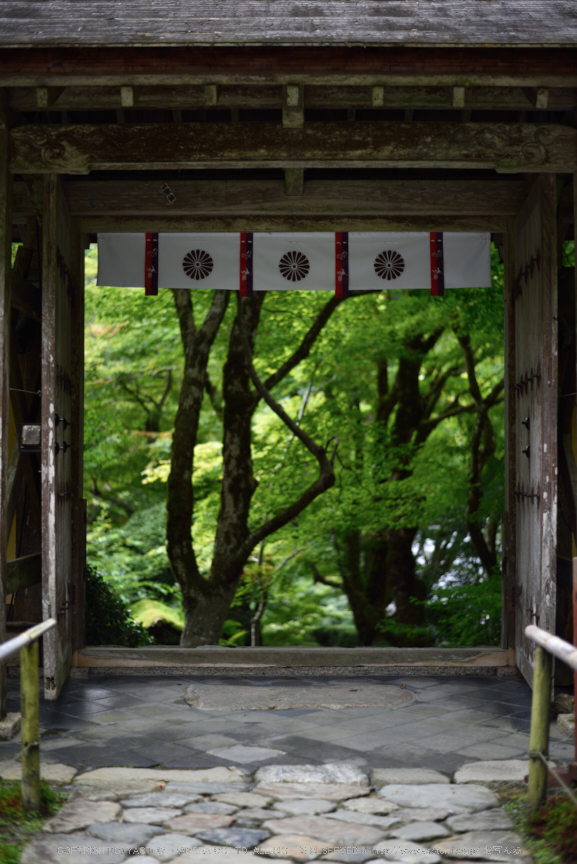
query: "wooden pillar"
5, 306
58, 495
78, 514
509, 516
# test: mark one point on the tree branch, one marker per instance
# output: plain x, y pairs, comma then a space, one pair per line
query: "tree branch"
304, 348
318, 577
326, 476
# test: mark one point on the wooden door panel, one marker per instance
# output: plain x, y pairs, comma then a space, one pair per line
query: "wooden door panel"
535, 296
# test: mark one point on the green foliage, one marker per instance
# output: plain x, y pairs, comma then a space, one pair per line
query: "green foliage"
133, 343
550, 834
108, 620
146, 612
17, 827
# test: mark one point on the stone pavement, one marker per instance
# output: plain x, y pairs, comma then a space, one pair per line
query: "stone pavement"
287, 813
163, 747
144, 722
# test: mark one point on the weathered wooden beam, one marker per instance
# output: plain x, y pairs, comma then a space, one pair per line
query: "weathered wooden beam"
94, 98
26, 297
129, 96
538, 97
500, 146
323, 197
23, 572
249, 222
293, 106
211, 94
458, 97
294, 179
46, 97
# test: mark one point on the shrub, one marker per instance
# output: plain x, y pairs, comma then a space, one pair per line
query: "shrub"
108, 619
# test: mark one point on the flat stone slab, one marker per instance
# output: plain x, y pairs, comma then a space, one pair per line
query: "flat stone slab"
306, 807
244, 754
485, 845
458, 799
241, 799
56, 848
243, 838
331, 831
165, 847
159, 799
494, 774
422, 814
488, 820
326, 791
370, 805
211, 807
151, 815
117, 776
201, 788
54, 772
79, 814
10, 725
295, 846
383, 822
420, 832
405, 851
332, 772
360, 694
191, 823
411, 776
122, 832
253, 814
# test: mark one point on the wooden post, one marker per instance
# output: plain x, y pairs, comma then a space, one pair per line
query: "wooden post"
539, 740
29, 705
509, 576
5, 306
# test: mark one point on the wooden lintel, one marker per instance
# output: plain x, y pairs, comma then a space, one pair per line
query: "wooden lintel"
47, 96
504, 147
328, 96
248, 222
265, 196
23, 572
26, 297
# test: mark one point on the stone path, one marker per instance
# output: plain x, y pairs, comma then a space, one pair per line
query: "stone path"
335, 812
216, 781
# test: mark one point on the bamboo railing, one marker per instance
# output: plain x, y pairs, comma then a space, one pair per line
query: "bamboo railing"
27, 644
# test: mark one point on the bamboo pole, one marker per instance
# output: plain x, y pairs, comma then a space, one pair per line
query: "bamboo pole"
30, 703
539, 740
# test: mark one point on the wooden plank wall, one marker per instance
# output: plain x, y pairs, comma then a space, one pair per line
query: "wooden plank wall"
535, 294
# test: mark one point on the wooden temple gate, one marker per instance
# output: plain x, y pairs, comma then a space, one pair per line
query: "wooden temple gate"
363, 127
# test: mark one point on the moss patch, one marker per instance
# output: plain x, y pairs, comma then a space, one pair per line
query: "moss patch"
17, 828
551, 833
